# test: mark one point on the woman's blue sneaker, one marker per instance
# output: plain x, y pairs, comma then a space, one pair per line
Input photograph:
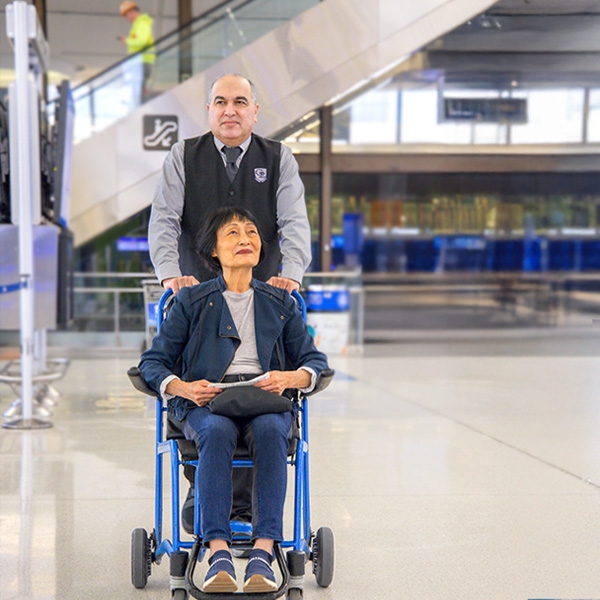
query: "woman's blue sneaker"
259, 577
220, 577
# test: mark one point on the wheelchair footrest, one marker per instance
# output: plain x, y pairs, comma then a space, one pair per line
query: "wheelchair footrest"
196, 592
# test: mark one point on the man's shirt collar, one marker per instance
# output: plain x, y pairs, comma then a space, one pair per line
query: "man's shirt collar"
219, 145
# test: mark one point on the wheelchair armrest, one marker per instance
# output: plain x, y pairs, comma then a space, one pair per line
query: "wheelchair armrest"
138, 382
323, 380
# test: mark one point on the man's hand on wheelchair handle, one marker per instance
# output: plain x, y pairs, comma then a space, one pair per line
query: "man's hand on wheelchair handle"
284, 283
176, 283
278, 381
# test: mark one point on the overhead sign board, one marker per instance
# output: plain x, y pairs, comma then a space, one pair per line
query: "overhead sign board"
485, 110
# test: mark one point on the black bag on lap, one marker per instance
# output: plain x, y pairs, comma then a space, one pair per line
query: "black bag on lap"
247, 402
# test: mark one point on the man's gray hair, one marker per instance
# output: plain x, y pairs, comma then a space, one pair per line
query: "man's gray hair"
212, 85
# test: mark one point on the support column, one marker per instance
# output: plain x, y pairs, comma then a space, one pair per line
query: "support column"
586, 116
25, 185
40, 7
184, 13
326, 135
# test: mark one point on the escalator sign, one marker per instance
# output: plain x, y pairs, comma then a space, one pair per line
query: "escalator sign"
160, 131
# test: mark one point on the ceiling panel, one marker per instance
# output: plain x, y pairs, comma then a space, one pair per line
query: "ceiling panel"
517, 43
573, 33
545, 7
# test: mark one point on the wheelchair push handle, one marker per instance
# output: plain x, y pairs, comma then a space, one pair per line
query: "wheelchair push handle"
300, 302
163, 305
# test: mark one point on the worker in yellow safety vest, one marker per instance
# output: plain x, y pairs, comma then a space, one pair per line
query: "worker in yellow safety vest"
140, 39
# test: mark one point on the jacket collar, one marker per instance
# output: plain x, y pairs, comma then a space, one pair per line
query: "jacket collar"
217, 284
258, 286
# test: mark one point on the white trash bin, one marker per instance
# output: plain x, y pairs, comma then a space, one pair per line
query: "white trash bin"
328, 314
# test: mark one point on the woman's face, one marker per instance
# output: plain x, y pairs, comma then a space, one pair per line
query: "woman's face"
238, 244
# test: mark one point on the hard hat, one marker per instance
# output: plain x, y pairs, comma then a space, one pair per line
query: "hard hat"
127, 6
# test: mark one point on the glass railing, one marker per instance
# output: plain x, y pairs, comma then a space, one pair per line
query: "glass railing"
211, 37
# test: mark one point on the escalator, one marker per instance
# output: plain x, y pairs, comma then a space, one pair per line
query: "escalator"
225, 29
300, 54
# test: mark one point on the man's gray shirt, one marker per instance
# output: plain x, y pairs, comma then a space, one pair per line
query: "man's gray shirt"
164, 229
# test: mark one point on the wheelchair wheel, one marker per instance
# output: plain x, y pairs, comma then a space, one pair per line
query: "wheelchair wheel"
323, 556
141, 558
294, 594
179, 594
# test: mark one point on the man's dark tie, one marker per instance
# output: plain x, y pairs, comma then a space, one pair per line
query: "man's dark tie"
231, 154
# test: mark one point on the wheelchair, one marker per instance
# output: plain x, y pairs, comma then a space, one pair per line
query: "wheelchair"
305, 545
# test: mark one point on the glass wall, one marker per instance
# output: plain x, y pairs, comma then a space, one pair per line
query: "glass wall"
424, 222
121, 249
465, 222
386, 116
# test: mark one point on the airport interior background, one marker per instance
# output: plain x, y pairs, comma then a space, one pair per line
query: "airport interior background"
450, 154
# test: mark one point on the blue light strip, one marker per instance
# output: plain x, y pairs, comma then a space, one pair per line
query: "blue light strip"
10, 288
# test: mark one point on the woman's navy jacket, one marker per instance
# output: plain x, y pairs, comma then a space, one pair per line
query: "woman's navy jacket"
200, 331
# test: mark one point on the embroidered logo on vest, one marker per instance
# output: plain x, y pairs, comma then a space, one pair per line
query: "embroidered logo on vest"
260, 175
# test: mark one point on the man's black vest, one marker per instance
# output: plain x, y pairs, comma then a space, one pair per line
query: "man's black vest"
207, 188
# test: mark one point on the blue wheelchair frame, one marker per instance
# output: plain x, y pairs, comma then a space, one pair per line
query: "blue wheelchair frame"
182, 568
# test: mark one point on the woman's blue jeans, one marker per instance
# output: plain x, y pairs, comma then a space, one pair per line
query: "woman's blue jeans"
216, 438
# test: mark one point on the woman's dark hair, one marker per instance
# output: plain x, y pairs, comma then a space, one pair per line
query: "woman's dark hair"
207, 238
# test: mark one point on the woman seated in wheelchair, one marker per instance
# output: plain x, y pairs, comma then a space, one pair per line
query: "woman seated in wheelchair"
233, 328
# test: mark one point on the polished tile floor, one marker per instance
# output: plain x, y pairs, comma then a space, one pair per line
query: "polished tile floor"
463, 468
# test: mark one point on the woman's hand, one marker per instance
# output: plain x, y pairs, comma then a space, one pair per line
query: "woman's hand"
199, 392
283, 380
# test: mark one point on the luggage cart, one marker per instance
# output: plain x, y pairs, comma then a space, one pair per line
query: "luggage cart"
153, 292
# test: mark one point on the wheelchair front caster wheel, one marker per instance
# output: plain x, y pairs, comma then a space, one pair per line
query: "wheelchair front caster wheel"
294, 594
323, 556
179, 594
141, 558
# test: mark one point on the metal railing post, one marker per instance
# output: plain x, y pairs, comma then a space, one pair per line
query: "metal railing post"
117, 315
